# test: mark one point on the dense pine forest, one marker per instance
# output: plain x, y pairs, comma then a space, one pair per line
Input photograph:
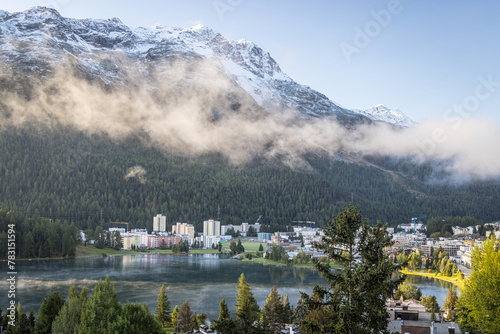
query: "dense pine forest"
93, 180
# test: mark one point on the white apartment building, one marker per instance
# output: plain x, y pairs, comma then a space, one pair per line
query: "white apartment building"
211, 227
159, 223
184, 229
243, 228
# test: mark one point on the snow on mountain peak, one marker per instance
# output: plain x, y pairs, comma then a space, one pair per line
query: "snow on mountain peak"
394, 116
196, 27
246, 43
248, 65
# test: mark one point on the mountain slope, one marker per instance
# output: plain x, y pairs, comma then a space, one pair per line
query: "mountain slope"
209, 123
88, 180
37, 41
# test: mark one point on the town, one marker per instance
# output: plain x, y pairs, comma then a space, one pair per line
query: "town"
410, 313
407, 237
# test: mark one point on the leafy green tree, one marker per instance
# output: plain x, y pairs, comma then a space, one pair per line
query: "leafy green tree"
247, 309
354, 302
135, 318
48, 312
430, 302
162, 312
277, 253
415, 261
185, 321
402, 260
408, 291
478, 307
450, 301
272, 315
233, 248
301, 258
448, 268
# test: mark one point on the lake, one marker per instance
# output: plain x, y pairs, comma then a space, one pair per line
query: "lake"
204, 279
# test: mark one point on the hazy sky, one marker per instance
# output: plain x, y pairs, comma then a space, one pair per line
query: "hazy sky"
431, 59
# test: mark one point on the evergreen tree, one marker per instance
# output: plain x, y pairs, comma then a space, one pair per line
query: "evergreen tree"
174, 317
102, 309
247, 309
48, 312
272, 315
69, 317
355, 299
31, 318
287, 311
299, 312
185, 321
224, 324
240, 247
162, 313
118, 241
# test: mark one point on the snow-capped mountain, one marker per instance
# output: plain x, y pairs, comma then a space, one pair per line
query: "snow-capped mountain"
393, 116
34, 42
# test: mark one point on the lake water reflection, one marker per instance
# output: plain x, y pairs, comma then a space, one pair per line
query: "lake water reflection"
204, 279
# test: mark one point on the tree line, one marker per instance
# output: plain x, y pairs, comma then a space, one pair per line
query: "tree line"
38, 237
69, 175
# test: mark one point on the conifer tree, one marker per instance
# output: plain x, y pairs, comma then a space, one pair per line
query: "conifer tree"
185, 321
354, 302
247, 309
224, 324
174, 317
48, 312
272, 314
287, 311
162, 313
101, 310
69, 317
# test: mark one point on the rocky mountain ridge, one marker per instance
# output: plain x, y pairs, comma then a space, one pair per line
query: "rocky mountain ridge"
36, 41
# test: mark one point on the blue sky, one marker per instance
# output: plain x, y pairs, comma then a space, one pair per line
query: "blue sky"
428, 58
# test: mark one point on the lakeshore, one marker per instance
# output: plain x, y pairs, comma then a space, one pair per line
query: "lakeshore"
453, 279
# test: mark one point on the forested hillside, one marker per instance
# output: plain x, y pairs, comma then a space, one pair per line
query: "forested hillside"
95, 180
